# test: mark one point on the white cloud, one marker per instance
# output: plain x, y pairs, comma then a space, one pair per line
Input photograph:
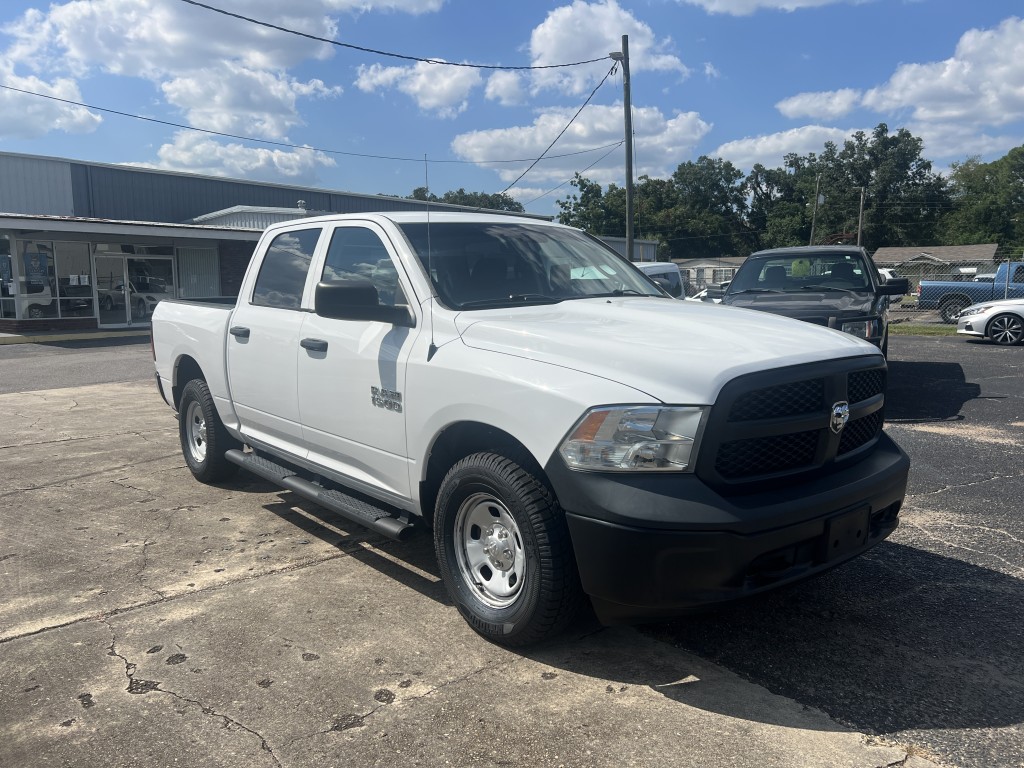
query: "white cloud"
194, 153
981, 84
747, 7
222, 73
825, 105
231, 99
574, 32
435, 88
769, 150
415, 7
29, 117
956, 142
506, 88
661, 143
711, 71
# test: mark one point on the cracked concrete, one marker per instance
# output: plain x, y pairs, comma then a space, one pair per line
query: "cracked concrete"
155, 621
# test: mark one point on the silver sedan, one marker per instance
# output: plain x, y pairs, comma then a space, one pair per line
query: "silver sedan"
1001, 321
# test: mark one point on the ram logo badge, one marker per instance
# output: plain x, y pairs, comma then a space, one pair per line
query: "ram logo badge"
840, 415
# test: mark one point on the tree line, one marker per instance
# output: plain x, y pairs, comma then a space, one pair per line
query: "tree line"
879, 185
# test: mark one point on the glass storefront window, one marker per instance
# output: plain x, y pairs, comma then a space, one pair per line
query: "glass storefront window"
36, 285
74, 279
6, 278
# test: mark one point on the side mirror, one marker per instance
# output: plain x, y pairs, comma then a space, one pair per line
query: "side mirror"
715, 292
895, 286
358, 300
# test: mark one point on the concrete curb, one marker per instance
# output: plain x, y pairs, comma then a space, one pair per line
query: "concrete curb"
44, 337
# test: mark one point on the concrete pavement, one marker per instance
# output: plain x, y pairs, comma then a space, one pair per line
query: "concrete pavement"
148, 620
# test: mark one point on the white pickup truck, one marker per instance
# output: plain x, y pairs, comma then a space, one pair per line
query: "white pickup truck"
564, 427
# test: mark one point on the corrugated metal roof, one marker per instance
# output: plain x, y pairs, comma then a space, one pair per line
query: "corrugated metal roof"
947, 254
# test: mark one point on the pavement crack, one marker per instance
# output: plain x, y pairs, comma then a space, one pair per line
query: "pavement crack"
140, 575
139, 686
1011, 567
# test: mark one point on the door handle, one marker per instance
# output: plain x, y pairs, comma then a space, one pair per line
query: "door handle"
239, 331
314, 345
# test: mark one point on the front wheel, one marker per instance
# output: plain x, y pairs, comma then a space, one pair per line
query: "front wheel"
951, 309
1006, 329
503, 550
204, 439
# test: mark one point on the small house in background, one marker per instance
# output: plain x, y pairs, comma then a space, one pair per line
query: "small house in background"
643, 250
939, 262
700, 273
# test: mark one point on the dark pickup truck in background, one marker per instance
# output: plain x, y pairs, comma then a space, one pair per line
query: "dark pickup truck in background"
837, 286
951, 297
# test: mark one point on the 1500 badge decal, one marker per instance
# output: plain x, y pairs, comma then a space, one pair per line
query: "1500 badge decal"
387, 399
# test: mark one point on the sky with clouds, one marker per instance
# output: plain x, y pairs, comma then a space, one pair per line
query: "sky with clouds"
307, 97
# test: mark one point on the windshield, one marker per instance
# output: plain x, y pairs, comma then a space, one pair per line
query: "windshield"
802, 272
474, 265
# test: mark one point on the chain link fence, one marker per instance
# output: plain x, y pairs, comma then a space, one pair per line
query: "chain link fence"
949, 286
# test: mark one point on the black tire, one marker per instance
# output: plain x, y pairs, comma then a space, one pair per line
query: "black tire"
35, 311
951, 309
108, 304
140, 309
204, 440
504, 552
1006, 329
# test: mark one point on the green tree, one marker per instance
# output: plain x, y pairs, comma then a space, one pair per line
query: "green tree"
988, 203
903, 198
498, 201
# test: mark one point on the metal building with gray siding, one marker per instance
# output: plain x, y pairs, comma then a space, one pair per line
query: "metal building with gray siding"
86, 245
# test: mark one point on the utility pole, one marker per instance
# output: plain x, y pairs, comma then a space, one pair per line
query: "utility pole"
814, 213
623, 56
860, 216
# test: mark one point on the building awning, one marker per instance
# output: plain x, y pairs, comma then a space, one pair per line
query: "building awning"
28, 225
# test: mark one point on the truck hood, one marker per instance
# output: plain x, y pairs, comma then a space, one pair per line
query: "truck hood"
810, 306
679, 352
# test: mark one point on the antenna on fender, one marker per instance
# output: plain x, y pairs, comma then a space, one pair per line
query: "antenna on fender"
432, 349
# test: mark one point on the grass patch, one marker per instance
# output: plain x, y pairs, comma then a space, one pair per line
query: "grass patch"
921, 329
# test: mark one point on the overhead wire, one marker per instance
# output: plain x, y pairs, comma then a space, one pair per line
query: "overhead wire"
377, 52
295, 146
582, 107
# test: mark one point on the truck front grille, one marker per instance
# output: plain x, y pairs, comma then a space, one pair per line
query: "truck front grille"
774, 425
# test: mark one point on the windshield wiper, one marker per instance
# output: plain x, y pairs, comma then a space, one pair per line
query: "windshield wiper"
624, 292
517, 298
828, 288
757, 290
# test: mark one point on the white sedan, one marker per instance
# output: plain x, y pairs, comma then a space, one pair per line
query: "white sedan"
1001, 321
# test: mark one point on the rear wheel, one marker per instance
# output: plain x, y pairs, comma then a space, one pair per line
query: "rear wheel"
951, 309
204, 439
503, 549
1006, 329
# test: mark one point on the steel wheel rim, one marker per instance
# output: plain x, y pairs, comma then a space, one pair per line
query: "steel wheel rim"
489, 550
1007, 330
195, 432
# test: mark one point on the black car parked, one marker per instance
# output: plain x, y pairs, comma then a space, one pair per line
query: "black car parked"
833, 285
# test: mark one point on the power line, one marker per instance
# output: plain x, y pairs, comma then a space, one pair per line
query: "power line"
582, 107
567, 181
384, 53
299, 146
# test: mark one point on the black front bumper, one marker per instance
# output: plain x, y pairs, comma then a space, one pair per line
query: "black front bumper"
656, 545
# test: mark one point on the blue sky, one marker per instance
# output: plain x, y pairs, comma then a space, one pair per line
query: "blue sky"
745, 80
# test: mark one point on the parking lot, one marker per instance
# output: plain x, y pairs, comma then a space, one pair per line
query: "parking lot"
148, 620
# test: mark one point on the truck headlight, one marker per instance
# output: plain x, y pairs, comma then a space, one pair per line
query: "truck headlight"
634, 438
864, 329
